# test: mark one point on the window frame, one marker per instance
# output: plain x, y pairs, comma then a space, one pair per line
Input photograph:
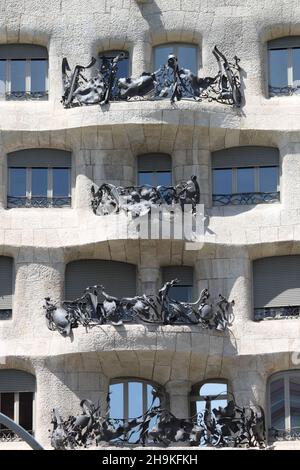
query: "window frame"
17, 409
28, 197
285, 375
289, 71
175, 45
194, 397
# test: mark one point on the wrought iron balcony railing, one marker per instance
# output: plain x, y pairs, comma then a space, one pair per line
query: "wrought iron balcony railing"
96, 307
26, 95
231, 426
276, 313
245, 199
283, 91
38, 202
284, 434
170, 81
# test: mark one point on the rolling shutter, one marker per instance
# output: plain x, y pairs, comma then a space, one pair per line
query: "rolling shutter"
182, 273
276, 281
16, 381
245, 157
22, 51
40, 158
6, 282
284, 43
118, 279
155, 162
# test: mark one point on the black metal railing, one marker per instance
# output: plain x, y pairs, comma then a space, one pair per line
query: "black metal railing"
38, 202
276, 313
283, 91
284, 434
26, 95
245, 199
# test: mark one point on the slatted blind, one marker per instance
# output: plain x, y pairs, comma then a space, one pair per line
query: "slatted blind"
119, 279
154, 162
245, 157
23, 51
183, 273
16, 381
40, 158
284, 43
6, 282
276, 281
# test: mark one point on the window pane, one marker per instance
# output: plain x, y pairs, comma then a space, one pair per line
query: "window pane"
145, 177
2, 76
39, 183
245, 180
123, 68
61, 182
38, 75
25, 410
7, 406
213, 389
187, 57
116, 401
135, 399
156, 402
163, 178
296, 69
278, 60
268, 179
18, 75
17, 182
277, 404
181, 293
295, 402
161, 55
222, 181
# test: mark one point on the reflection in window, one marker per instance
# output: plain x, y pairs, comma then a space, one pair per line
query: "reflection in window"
23, 72
154, 170
185, 53
284, 400
245, 180
284, 66
131, 399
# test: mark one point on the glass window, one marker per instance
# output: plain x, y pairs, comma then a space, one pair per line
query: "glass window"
39, 183
182, 293
17, 182
39, 70
18, 76
245, 180
2, 77
222, 181
155, 178
268, 179
278, 60
123, 65
26, 410
296, 69
61, 182
22, 413
277, 404
185, 53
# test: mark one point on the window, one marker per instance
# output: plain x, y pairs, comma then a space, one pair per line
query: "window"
284, 405
6, 287
118, 279
245, 175
131, 398
106, 58
183, 292
17, 389
185, 53
23, 72
155, 170
284, 66
39, 178
276, 287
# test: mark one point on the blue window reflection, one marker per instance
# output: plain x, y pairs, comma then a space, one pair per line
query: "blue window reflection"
17, 182
222, 181
161, 54
39, 182
2, 77
296, 69
18, 76
185, 53
123, 65
277, 400
182, 293
38, 75
268, 179
295, 402
116, 395
61, 182
155, 178
245, 180
278, 67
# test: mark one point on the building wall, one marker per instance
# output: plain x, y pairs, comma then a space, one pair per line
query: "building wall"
105, 143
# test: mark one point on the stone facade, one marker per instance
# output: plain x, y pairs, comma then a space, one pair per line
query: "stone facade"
105, 144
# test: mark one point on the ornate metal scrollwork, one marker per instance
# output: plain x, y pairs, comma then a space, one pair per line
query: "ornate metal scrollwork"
245, 199
231, 426
96, 307
139, 200
276, 313
38, 202
170, 81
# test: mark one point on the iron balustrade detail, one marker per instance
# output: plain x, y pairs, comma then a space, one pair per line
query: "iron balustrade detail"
139, 200
26, 95
38, 202
96, 307
5, 314
170, 81
245, 199
283, 91
231, 426
275, 435
276, 313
